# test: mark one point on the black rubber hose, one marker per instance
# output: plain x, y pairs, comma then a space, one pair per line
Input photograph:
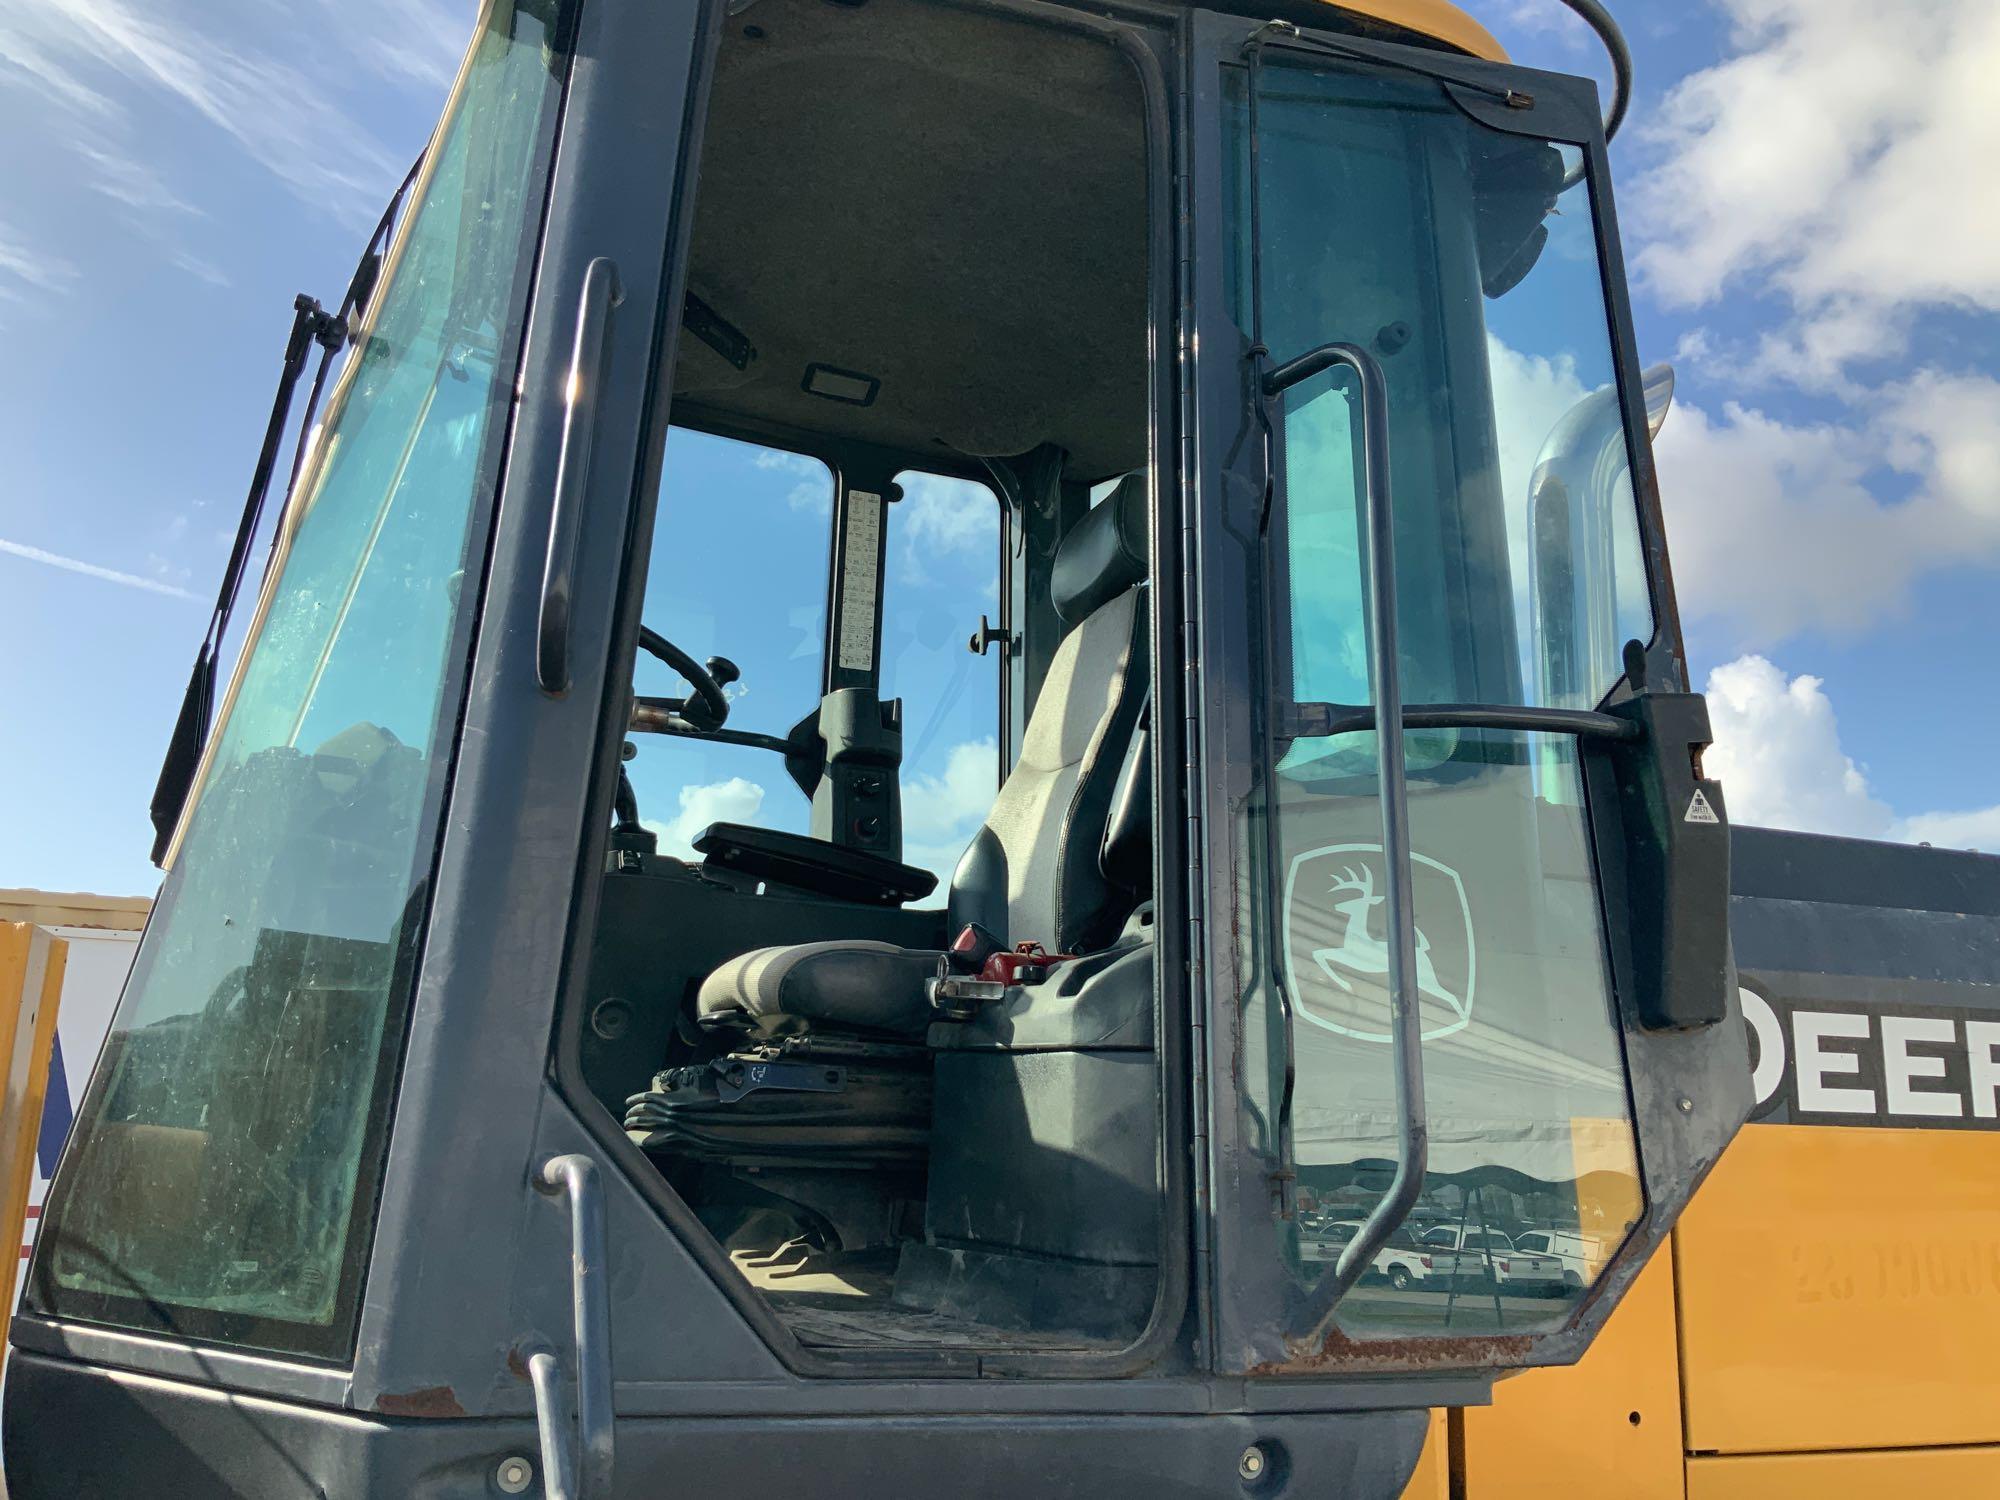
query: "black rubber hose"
1599, 20
625, 805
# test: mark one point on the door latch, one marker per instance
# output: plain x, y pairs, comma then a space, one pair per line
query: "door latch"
987, 635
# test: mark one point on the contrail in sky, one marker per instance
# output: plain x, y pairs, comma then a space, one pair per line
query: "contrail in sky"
92, 570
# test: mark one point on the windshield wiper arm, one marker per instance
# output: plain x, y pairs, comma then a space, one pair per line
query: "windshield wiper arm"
1285, 34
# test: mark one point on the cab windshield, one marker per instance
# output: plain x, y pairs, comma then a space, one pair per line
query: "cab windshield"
225, 1157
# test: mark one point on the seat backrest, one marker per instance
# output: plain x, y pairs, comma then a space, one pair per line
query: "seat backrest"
1035, 871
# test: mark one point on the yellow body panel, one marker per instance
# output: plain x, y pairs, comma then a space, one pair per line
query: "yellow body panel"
1840, 1288
1434, 18
31, 978
1432, 1478
1571, 1431
1917, 1474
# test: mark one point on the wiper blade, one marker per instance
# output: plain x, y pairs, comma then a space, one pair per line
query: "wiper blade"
311, 324
1288, 36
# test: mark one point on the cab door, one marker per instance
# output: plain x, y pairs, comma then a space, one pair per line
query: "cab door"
1466, 933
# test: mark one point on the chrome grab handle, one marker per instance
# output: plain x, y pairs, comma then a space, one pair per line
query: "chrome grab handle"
552, 1427
1405, 1030
563, 1477
579, 432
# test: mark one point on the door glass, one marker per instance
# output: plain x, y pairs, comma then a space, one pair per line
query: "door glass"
1458, 255
739, 570
220, 1184
943, 574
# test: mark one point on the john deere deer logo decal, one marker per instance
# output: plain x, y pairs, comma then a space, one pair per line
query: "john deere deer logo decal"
1336, 943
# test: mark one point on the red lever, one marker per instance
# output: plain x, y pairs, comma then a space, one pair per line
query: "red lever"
1029, 963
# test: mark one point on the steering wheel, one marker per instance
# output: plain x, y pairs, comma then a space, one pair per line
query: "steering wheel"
704, 709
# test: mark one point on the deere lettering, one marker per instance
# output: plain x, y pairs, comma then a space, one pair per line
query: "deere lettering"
1828, 1064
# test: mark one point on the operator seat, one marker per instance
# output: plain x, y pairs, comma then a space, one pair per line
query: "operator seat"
1051, 864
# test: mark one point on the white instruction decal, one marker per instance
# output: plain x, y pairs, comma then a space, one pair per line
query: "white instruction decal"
860, 561
1699, 811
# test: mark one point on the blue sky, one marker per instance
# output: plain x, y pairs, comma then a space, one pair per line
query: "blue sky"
1803, 199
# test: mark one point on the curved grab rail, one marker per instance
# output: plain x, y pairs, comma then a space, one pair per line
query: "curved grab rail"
1599, 20
1405, 1032
564, 1475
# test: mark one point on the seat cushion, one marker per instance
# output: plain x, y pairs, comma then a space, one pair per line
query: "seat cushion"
865, 985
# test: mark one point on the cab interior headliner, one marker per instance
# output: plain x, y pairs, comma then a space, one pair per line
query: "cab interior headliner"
949, 202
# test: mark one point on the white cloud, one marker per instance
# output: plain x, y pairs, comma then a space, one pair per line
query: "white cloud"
736, 800
93, 570
239, 66
1965, 830
1813, 354
941, 813
1778, 755
37, 268
813, 493
1840, 156
417, 42
200, 269
946, 534
1947, 428
1776, 528
30, 64
1542, 19
946, 515
275, 113
1772, 527
133, 183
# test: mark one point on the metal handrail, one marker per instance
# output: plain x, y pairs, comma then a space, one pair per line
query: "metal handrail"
1405, 1031
564, 1477
579, 431
1323, 720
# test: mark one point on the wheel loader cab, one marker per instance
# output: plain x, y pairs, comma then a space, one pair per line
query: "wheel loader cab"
969, 706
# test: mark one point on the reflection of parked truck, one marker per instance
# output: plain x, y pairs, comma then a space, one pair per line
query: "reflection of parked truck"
1481, 1255
1402, 1262
1580, 1254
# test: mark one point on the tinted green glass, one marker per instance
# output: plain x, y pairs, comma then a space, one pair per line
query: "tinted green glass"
1466, 260
220, 1183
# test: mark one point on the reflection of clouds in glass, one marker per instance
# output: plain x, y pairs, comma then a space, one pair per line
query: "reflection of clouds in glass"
942, 812
736, 800
808, 624
1549, 424
1329, 641
953, 521
1531, 394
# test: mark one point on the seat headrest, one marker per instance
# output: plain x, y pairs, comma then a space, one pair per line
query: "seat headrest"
1104, 554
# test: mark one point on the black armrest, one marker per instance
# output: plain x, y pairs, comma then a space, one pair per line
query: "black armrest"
807, 864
